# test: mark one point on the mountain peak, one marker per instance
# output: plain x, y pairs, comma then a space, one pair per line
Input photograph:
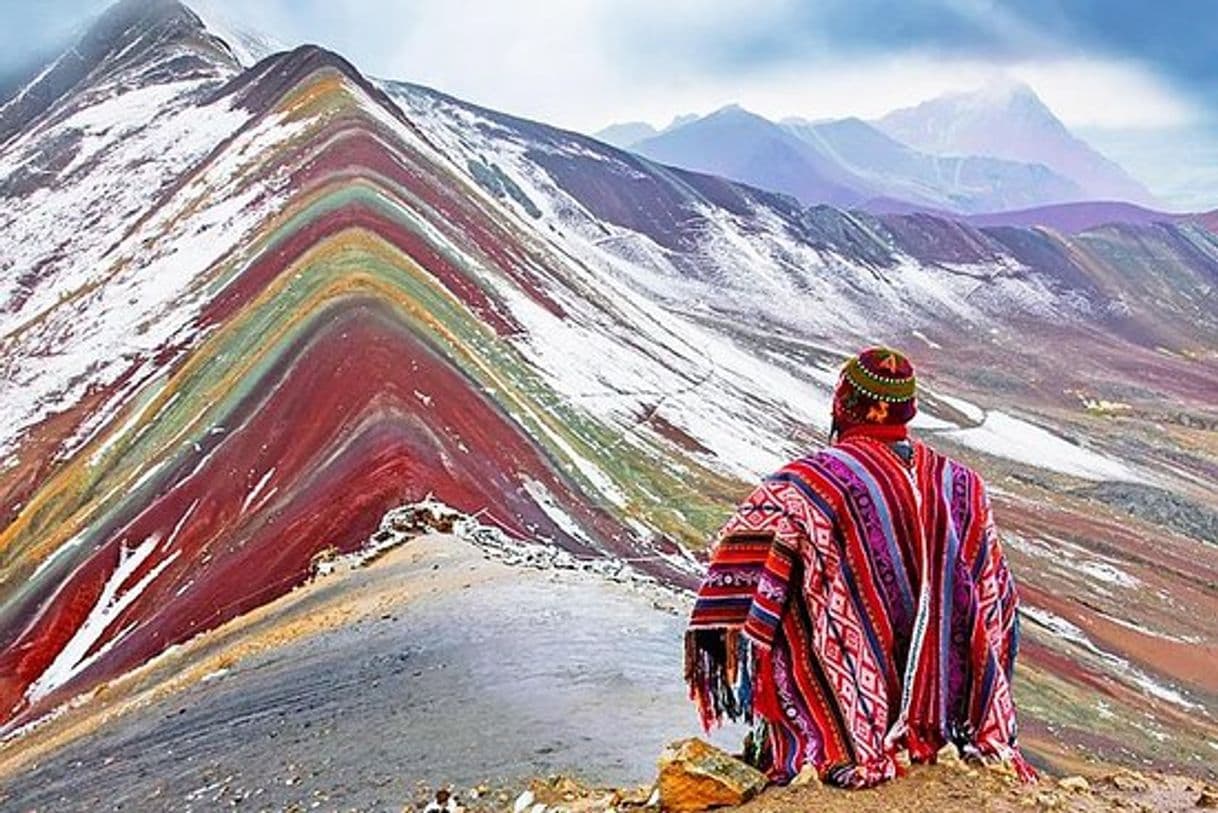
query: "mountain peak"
129, 22
1007, 89
134, 42
681, 120
1006, 119
1012, 96
734, 115
733, 109
1001, 95
625, 135
123, 36
248, 47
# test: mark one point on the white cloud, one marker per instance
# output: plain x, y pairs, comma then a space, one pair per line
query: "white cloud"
586, 63
572, 63
1101, 93
1179, 165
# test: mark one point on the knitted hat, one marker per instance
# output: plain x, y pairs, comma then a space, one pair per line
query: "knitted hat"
876, 387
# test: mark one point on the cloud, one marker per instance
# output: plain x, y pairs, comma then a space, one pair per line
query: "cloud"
35, 30
572, 63
1105, 93
586, 63
1175, 39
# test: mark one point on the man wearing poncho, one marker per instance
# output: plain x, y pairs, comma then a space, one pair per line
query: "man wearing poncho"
858, 602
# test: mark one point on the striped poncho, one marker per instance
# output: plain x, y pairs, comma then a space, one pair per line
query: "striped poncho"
858, 603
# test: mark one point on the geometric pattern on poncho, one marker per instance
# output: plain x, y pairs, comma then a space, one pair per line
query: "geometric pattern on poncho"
856, 604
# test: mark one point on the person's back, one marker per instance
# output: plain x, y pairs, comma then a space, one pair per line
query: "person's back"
858, 602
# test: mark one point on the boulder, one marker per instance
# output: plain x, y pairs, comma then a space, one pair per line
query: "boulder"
1074, 784
1048, 800
695, 775
1129, 781
807, 776
949, 755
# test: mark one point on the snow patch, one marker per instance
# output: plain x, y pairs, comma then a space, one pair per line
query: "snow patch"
257, 489
115, 597
1071, 633
1005, 436
546, 502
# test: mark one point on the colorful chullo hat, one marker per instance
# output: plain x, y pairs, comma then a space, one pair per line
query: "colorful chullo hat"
876, 387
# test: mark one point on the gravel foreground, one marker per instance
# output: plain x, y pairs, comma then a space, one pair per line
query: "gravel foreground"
431, 665
953, 786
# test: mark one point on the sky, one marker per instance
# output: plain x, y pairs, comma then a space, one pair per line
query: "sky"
1137, 78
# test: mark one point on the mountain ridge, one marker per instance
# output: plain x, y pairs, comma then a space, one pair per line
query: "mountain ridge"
125, 33
743, 146
964, 184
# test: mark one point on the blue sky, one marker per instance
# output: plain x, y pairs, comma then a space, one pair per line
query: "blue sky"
1136, 78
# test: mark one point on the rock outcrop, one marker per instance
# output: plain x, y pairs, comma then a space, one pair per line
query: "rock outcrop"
698, 776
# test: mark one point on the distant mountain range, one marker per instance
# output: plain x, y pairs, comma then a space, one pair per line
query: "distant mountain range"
967, 183
1073, 218
743, 146
997, 149
626, 135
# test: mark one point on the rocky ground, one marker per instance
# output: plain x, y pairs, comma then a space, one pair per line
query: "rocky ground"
949, 786
942, 789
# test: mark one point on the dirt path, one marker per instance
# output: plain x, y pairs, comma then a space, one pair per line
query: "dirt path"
433, 664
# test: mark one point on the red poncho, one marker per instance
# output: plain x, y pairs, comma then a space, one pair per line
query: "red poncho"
858, 602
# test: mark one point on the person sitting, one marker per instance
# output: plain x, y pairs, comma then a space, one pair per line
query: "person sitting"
858, 603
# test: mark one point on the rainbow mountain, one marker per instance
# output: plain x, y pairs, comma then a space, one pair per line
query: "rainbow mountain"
249, 305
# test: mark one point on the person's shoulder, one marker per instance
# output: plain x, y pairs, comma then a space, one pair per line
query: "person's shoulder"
812, 462
939, 459
806, 474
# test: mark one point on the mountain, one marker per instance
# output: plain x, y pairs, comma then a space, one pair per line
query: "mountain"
962, 184
626, 135
1008, 120
246, 312
848, 162
1074, 218
745, 147
141, 41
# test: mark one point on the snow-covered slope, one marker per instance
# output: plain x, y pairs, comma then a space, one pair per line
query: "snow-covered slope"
695, 242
